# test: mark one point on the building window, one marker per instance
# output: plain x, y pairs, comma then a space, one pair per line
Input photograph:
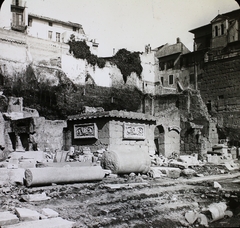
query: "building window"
216, 31
162, 80
49, 35
222, 29
50, 23
17, 19
161, 66
17, 2
220, 97
74, 29
57, 36
30, 22
170, 79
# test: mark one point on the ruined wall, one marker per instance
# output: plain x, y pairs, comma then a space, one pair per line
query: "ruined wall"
219, 87
117, 142
49, 134
168, 117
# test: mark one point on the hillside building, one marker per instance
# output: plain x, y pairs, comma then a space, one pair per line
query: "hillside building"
19, 19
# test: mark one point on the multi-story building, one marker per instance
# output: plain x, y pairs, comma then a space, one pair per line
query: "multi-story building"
19, 19
215, 65
170, 76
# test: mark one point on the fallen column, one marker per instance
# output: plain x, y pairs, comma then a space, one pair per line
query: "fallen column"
49, 175
122, 162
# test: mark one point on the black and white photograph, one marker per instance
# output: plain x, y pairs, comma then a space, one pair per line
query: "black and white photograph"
119, 113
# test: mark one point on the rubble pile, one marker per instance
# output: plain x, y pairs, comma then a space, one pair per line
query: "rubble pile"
217, 161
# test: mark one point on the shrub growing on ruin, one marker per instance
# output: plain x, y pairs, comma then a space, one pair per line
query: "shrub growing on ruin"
128, 62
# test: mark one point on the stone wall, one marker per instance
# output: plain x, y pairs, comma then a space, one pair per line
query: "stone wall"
101, 142
49, 134
117, 142
48, 56
219, 87
168, 117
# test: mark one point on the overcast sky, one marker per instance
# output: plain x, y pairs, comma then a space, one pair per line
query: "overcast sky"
132, 24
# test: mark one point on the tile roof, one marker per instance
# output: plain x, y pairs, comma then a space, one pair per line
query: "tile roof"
114, 114
69, 23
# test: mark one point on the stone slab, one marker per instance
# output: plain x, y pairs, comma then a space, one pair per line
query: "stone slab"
26, 214
7, 218
35, 197
46, 223
36, 155
49, 213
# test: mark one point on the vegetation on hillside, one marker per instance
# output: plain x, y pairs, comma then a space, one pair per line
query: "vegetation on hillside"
66, 98
126, 61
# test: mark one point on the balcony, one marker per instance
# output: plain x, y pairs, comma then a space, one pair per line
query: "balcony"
19, 28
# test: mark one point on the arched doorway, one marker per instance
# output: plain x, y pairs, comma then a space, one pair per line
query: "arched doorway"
159, 139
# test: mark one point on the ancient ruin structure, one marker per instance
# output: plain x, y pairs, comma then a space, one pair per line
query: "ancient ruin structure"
183, 119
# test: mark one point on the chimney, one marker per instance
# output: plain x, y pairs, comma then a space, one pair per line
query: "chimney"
178, 40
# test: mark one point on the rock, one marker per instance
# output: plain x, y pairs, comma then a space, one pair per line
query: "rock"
7, 218
35, 197
228, 213
188, 172
112, 175
25, 214
154, 172
216, 185
191, 216
202, 219
132, 175
170, 171
49, 213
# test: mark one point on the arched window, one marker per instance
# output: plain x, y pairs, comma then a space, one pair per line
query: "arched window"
216, 30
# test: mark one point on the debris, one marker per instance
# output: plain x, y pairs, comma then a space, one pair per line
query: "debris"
7, 218
191, 216
190, 160
35, 197
216, 185
230, 165
123, 162
170, 172
217, 210
202, 219
188, 172
124, 186
155, 172
49, 175
228, 214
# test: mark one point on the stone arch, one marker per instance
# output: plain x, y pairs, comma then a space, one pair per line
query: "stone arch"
159, 139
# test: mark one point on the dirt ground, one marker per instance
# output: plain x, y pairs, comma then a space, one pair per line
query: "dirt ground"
133, 201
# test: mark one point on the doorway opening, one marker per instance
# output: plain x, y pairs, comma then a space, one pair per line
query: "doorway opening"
159, 140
